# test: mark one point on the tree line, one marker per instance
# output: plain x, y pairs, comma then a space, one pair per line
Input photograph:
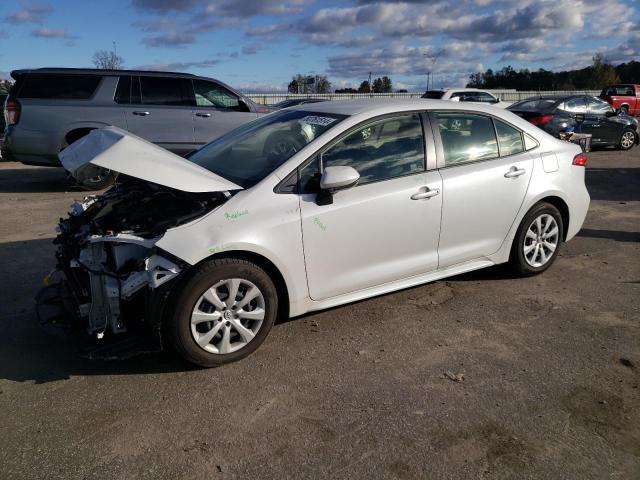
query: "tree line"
320, 84
593, 77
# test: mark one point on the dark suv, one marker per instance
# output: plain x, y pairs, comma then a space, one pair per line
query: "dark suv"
50, 108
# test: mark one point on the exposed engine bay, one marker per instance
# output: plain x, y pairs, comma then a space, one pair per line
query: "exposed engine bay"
113, 277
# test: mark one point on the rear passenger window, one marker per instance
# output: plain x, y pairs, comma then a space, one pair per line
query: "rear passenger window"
509, 139
123, 92
59, 86
466, 137
166, 91
381, 150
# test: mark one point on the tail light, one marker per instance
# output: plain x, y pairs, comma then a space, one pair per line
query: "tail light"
541, 120
11, 111
580, 160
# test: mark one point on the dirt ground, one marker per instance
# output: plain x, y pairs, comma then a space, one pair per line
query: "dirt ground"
548, 370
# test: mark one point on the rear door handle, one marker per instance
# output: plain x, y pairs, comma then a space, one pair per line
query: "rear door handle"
141, 114
515, 172
428, 193
205, 115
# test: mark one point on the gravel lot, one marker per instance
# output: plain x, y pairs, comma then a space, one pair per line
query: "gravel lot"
549, 369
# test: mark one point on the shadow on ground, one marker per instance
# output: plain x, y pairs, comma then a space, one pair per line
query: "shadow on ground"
613, 184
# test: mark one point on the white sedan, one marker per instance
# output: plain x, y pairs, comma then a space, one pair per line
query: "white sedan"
305, 209
472, 95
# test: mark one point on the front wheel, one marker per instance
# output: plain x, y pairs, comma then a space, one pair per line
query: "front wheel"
537, 240
222, 313
627, 140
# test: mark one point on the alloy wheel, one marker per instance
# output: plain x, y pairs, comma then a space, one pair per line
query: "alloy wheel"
627, 140
541, 240
227, 316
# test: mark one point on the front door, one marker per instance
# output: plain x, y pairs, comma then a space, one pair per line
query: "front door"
164, 114
484, 182
217, 111
384, 229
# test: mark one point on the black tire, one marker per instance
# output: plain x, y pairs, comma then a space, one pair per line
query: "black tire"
623, 144
94, 177
97, 178
177, 326
517, 260
624, 109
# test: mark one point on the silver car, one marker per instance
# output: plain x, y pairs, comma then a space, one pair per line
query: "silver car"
50, 108
308, 208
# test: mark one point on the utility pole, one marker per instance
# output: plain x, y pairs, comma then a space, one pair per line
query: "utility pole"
369, 82
433, 59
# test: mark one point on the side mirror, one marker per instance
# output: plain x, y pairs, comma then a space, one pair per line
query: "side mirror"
611, 113
335, 179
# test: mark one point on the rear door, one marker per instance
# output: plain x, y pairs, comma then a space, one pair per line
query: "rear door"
217, 111
485, 175
160, 109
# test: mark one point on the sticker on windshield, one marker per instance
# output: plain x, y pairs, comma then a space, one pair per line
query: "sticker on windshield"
314, 120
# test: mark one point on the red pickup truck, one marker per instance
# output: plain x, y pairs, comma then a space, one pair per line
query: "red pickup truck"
624, 98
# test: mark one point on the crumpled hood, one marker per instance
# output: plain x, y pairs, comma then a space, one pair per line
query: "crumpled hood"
123, 152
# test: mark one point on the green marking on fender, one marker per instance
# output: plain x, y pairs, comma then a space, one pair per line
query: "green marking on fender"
236, 215
322, 226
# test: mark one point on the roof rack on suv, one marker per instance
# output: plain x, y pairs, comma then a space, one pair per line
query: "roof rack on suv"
93, 71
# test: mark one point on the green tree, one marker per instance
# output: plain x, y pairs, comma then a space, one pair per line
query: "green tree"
5, 86
308, 84
364, 87
387, 85
603, 72
377, 85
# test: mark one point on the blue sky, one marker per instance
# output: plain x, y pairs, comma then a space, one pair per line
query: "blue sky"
257, 45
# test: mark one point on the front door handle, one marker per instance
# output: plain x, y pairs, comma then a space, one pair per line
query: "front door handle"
515, 172
201, 114
141, 114
425, 192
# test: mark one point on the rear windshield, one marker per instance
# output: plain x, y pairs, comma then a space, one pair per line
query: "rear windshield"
72, 87
433, 94
621, 90
536, 105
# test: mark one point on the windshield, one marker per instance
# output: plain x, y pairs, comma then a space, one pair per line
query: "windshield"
433, 94
535, 105
252, 151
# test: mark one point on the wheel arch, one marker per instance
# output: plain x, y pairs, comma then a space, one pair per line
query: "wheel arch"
562, 207
269, 267
77, 130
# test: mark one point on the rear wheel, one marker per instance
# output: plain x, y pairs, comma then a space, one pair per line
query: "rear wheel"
222, 313
627, 140
94, 177
537, 240
624, 109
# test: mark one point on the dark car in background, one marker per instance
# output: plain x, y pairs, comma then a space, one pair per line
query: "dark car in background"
291, 102
582, 113
50, 108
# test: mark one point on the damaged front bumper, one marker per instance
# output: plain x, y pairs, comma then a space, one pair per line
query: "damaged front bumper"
113, 291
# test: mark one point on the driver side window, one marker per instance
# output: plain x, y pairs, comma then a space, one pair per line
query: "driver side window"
210, 94
389, 148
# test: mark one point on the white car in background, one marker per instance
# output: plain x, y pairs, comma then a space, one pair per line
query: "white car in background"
308, 208
472, 95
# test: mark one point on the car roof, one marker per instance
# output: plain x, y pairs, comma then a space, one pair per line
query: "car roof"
380, 106
114, 73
